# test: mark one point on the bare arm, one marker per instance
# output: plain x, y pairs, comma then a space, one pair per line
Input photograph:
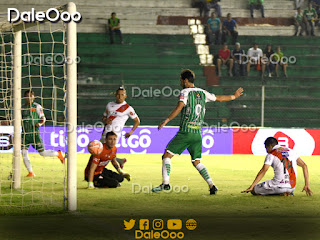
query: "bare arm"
41, 122
91, 174
172, 115
259, 176
119, 170
135, 125
304, 166
225, 98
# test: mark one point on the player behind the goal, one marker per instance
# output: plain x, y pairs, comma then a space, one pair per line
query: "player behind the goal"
32, 118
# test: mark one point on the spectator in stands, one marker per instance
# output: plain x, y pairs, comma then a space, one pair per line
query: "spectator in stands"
114, 27
214, 4
205, 5
201, 4
267, 60
299, 3
237, 55
254, 57
256, 4
214, 28
224, 58
230, 29
316, 6
310, 16
278, 60
298, 22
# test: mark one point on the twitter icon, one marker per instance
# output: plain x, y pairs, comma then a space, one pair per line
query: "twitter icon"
129, 225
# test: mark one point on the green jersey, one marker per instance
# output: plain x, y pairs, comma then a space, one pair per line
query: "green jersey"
192, 114
310, 15
31, 115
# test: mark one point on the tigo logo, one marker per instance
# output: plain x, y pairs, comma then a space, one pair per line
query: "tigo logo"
144, 224
129, 225
174, 224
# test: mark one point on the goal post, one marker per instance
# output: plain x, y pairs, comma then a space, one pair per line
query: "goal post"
43, 78
72, 110
17, 69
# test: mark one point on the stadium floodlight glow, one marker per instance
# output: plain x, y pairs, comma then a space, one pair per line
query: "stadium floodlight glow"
199, 39
200, 29
203, 59
193, 29
202, 49
209, 59
191, 21
206, 59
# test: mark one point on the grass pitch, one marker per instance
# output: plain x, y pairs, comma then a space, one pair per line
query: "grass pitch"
229, 214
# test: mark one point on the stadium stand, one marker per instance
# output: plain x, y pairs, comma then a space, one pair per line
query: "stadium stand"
154, 54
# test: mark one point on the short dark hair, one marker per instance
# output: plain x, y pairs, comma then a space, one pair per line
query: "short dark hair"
27, 92
113, 13
187, 74
120, 89
270, 141
110, 134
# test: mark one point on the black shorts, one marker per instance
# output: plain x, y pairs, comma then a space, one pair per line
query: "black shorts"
107, 178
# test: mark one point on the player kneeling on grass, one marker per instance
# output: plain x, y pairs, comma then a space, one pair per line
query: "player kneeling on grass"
32, 118
96, 173
284, 162
192, 105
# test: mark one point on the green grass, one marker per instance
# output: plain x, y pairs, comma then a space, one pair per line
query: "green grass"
227, 215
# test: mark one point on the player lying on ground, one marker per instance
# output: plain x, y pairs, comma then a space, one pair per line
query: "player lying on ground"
116, 116
192, 103
32, 118
284, 162
96, 173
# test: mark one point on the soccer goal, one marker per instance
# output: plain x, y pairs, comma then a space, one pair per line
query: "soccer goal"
38, 61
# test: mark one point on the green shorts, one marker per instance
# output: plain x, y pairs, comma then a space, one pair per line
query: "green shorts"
185, 140
33, 139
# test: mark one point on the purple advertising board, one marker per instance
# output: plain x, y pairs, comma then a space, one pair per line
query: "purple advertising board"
145, 140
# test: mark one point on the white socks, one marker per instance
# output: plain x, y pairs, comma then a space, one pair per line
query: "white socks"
26, 160
166, 166
204, 173
48, 153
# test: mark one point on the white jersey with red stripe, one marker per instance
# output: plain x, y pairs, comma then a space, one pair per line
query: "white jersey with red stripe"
119, 114
284, 163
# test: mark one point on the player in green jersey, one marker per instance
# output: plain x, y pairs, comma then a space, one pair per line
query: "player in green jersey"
32, 118
192, 102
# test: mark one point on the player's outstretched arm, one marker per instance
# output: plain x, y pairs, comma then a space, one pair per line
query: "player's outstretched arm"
172, 115
119, 170
225, 98
304, 166
259, 176
91, 175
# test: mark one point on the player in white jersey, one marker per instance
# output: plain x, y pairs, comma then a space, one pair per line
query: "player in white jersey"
115, 117
284, 163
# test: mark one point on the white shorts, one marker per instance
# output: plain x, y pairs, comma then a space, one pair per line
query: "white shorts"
103, 137
267, 188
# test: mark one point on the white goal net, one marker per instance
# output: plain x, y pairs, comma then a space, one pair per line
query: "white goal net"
37, 55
